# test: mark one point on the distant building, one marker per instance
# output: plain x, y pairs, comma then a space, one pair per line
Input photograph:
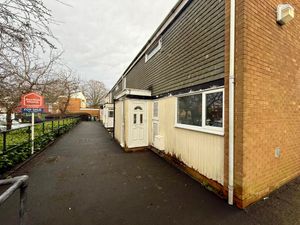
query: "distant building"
77, 99
77, 104
107, 113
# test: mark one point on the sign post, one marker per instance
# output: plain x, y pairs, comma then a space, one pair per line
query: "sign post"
32, 133
32, 103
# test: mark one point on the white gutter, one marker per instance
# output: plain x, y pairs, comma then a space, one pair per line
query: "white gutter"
231, 103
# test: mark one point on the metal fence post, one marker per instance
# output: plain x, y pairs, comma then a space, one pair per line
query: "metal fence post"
4, 142
29, 133
43, 127
52, 125
16, 183
58, 127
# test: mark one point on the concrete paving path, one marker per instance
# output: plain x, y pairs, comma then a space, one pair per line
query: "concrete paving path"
86, 179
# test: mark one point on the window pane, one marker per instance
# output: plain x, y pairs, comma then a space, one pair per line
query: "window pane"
214, 109
134, 118
190, 110
155, 109
141, 119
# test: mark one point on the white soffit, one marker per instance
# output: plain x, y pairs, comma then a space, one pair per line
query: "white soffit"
134, 92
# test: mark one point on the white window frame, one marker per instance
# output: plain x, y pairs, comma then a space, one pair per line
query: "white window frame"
149, 55
155, 121
157, 117
204, 128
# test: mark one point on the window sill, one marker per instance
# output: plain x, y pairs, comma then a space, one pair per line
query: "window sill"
215, 131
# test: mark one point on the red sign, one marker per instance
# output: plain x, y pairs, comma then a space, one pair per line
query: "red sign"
32, 101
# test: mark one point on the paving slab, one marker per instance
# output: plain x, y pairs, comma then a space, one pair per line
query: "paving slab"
86, 179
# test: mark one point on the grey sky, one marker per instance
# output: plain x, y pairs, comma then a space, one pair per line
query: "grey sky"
100, 38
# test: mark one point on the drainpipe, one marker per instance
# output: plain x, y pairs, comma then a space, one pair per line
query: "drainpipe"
123, 124
231, 103
114, 126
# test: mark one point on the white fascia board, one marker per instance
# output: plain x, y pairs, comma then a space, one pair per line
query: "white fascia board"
134, 92
139, 92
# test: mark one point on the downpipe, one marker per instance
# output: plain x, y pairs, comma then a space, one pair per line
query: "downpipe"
231, 102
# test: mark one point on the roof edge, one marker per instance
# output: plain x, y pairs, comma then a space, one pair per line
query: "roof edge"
161, 28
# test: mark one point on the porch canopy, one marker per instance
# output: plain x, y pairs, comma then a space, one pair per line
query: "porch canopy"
134, 93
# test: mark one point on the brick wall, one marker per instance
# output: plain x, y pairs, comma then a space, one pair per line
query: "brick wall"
74, 105
267, 99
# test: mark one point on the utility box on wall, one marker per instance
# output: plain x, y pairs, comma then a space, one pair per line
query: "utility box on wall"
285, 13
159, 142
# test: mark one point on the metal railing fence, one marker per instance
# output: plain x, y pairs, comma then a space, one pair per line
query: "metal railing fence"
16, 183
16, 144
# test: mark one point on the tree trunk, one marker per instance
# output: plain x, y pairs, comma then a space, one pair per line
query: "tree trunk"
8, 120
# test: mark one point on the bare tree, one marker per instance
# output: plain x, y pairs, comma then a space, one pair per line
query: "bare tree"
23, 72
59, 92
94, 91
24, 27
25, 21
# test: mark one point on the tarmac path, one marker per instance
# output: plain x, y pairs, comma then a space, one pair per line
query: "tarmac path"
86, 179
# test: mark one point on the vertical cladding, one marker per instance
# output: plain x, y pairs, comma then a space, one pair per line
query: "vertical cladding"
271, 98
118, 121
198, 150
192, 51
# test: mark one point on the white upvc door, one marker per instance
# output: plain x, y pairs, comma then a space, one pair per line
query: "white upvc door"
138, 132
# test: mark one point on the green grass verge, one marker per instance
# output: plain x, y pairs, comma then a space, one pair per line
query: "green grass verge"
18, 143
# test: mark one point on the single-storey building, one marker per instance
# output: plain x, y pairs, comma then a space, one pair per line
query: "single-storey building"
216, 90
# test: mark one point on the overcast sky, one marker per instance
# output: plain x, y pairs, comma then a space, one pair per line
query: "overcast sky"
100, 38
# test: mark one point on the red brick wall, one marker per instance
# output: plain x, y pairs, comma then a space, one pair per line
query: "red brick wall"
74, 105
267, 99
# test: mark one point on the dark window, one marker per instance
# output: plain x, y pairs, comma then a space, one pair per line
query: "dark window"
111, 114
138, 108
214, 109
134, 118
189, 110
141, 119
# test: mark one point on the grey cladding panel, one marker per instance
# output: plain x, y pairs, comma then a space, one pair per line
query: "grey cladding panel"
118, 89
192, 52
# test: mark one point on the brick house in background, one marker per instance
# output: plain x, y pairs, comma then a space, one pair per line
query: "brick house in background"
216, 90
77, 105
77, 102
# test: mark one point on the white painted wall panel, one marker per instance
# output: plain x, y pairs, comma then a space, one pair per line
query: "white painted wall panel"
118, 121
200, 151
